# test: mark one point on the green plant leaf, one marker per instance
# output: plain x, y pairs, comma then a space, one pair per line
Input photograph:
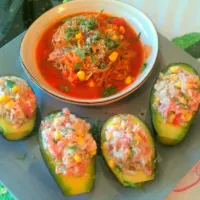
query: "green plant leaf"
187, 40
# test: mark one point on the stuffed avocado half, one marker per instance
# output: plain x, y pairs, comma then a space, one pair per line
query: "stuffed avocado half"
174, 102
68, 150
18, 106
128, 149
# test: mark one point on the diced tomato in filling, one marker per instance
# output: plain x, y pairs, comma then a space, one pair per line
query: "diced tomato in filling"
177, 119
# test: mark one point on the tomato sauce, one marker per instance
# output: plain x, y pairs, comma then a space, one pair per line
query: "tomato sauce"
54, 76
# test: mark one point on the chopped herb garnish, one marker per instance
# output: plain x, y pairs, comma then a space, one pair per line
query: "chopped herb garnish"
68, 48
64, 88
89, 24
101, 11
103, 66
143, 67
22, 157
77, 66
66, 19
119, 169
70, 33
138, 36
132, 152
80, 52
95, 36
109, 91
9, 84
73, 148
109, 20
49, 117
112, 44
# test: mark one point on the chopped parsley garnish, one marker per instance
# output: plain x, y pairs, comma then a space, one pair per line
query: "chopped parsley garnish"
119, 169
89, 24
9, 84
143, 67
80, 52
70, 33
77, 66
22, 157
73, 148
111, 44
49, 117
95, 36
109, 91
132, 152
68, 48
103, 66
138, 36
64, 88
109, 20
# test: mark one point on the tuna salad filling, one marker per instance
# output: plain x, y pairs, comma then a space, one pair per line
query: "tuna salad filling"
177, 95
68, 141
127, 146
17, 100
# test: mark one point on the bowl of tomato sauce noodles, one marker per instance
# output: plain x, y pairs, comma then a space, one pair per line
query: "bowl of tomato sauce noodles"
90, 52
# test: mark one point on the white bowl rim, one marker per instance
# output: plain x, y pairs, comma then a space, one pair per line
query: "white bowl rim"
103, 100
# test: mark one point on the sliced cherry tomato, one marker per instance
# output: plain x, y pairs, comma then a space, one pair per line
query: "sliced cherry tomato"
177, 119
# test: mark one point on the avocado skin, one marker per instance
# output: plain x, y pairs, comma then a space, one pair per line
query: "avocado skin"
135, 181
163, 129
68, 185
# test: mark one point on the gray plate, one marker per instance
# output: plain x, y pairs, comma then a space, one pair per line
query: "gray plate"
30, 179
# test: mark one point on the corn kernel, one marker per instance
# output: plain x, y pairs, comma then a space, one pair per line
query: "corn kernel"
137, 138
128, 80
93, 153
9, 105
188, 116
178, 84
175, 69
109, 136
78, 36
109, 30
81, 75
55, 121
80, 140
77, 158
173, 77
183, 101
4, 98
105, 146
121, 37
122, 30
111, 164
190, 85
157, 100
114, 37
57, 135
171, 117
113, 56
91, 83
15, 89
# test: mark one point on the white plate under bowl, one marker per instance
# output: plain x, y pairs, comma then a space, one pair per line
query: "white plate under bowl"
137, 19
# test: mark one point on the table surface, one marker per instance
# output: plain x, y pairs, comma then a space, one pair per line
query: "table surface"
171, 17
32, 179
